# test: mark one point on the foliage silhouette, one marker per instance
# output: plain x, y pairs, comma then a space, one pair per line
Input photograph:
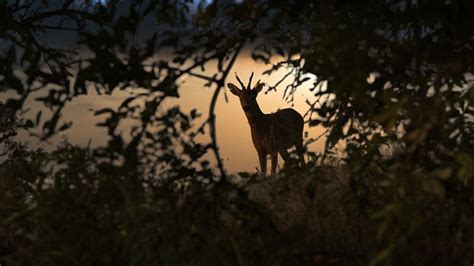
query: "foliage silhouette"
394, 74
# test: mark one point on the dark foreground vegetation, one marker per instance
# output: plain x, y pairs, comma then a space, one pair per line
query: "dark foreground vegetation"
92, 212
399, 79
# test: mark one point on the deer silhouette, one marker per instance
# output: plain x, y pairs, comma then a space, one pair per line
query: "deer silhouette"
271, 133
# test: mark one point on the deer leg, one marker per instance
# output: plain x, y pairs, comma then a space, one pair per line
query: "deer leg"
263, 163
300, 150
284, 154
274, 156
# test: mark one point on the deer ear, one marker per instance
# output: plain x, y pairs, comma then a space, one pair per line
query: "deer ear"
258, 88
236, 91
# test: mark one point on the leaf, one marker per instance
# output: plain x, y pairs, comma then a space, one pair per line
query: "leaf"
103, 111
382, 255
443, 173
305, 79
466, 171
245, 25
127, 101
29, 124
194, 114
314, 122
386, 211
65, 126
433, 186
38, 117
244, 174
148, 135
14, 83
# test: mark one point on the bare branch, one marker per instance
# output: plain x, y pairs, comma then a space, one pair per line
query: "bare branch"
279, 82
212, 107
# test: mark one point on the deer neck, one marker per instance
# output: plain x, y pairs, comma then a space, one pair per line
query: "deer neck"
256, 118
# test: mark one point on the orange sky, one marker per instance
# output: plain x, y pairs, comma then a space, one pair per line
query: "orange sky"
233, 131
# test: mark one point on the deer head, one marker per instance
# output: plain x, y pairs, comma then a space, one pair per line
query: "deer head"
247, 94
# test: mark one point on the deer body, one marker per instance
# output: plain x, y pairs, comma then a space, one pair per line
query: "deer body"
271, 133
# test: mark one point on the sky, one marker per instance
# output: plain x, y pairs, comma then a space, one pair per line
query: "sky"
233, 131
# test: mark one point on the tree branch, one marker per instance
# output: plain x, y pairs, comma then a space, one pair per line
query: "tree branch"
212, 107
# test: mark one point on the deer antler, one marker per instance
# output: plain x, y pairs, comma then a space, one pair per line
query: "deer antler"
250, 81
240, 81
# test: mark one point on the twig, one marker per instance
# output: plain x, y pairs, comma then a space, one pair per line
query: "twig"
212, 115
317, 138
279, 82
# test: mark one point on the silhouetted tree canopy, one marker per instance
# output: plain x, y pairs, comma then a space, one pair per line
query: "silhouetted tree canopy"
396, 74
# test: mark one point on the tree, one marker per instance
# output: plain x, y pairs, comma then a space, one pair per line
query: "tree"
388, 73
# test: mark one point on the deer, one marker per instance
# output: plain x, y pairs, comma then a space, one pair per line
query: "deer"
272, 133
